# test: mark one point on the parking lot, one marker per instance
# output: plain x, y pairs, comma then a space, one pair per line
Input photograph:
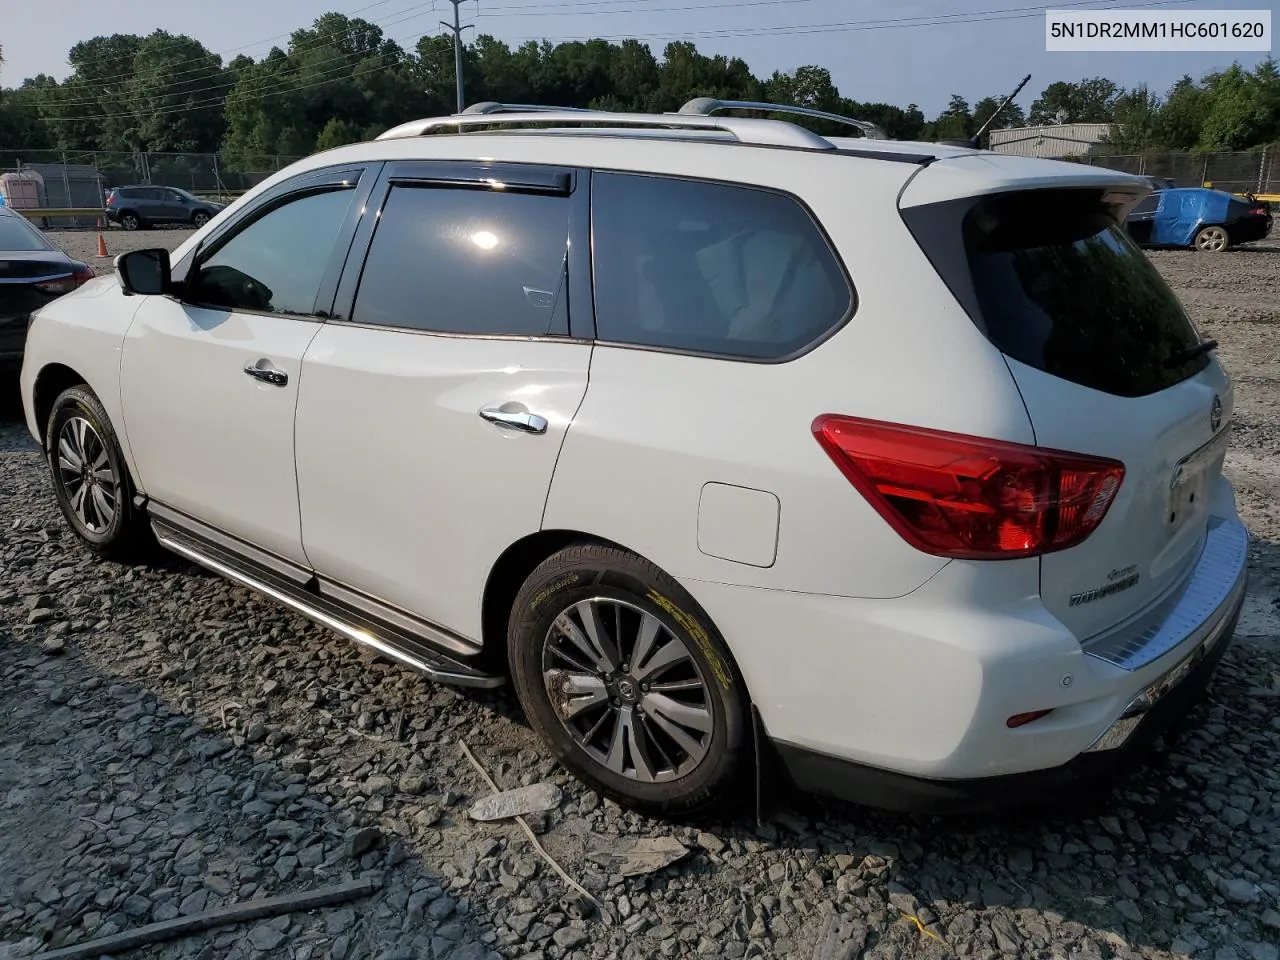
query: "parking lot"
170, 743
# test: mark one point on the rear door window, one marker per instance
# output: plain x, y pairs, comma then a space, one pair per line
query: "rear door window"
712, 268
1054, 280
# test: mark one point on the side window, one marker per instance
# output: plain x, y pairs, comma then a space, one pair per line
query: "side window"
276, 263
1148, 205
710, 268
454, 260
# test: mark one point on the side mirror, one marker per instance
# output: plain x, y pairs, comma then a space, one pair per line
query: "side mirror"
144, 272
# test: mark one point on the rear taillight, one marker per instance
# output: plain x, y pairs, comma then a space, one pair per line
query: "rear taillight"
967, 497
111, 198
83, 274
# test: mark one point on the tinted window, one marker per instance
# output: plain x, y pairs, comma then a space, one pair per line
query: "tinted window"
710, 268
17, 234
468, 261
1058, 285
1148, 205
276, 263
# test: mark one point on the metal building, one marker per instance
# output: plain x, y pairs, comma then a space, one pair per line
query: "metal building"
1054, 141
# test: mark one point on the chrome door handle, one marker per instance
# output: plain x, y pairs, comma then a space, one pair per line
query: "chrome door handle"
515, 420
266, 373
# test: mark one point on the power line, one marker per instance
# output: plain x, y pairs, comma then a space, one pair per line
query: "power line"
279, 86
253, 43
318, 42
849, 26
285, 84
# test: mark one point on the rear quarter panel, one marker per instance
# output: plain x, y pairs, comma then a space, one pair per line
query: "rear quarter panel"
654, 427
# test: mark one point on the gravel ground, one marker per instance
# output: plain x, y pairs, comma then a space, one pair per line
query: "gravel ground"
170, 743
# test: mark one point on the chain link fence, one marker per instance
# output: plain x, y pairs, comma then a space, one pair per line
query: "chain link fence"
1254, 172
80, 179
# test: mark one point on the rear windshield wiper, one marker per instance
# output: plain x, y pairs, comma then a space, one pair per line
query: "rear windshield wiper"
1191, 353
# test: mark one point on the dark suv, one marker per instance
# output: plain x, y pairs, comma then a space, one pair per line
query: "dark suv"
137, 207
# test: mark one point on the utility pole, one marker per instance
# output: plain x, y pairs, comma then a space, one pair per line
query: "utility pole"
456, 29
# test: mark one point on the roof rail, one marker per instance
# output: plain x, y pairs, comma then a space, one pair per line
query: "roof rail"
773, 133
706, 106
492, 106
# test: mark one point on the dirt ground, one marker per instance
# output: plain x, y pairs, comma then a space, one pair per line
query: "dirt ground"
170, 743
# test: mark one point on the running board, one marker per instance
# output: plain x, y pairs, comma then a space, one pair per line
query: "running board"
328, 612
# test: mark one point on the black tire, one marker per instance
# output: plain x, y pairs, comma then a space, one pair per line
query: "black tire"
1214, 238
130, 221
199, 219
594, 574
125, 534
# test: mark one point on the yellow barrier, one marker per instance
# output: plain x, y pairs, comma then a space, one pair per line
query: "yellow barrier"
37, 213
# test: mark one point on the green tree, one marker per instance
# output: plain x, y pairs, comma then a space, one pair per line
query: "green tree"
1011, 116
954, 123
1138, 125
337, 133
1243, 108
1088, 101
177, 95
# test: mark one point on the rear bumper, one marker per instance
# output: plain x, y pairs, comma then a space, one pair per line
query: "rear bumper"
1188, 647
1120, 748
844, 780
1248, 229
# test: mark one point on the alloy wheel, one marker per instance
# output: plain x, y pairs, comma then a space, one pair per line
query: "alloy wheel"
627, 690
86, 474
1212, 240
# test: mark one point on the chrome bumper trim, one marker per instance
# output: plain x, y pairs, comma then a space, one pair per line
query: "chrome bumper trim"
1137, 709
1216, 579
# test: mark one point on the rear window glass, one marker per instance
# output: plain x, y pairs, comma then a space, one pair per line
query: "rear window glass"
16, 235
1056, 283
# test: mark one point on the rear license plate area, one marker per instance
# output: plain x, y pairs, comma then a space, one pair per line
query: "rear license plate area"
1189, 486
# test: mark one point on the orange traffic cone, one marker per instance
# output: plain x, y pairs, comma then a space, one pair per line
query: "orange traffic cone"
102, 247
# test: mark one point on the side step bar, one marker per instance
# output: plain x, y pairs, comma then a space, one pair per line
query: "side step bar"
326, 611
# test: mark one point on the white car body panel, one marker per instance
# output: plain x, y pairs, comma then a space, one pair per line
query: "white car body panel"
1149, 435
182, 382
83, 331
406, 493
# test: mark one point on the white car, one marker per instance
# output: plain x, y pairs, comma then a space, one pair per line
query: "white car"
721, 439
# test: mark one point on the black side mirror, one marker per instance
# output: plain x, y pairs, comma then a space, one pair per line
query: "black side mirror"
144, 272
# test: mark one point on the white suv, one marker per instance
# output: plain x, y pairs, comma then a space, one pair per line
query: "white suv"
713, 434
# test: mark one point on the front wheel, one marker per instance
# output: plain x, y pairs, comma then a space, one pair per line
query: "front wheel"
200, 219
627, 681
90, 478
1213, 240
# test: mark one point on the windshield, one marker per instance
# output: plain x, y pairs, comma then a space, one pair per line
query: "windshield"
17, 235
1056, 283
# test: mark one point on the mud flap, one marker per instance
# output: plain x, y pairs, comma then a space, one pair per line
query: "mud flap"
766, 766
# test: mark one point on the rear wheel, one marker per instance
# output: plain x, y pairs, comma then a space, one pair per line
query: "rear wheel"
130, 221
1213, 239
627, 681
90, 479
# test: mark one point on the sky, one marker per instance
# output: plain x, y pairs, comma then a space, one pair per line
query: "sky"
894, 51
